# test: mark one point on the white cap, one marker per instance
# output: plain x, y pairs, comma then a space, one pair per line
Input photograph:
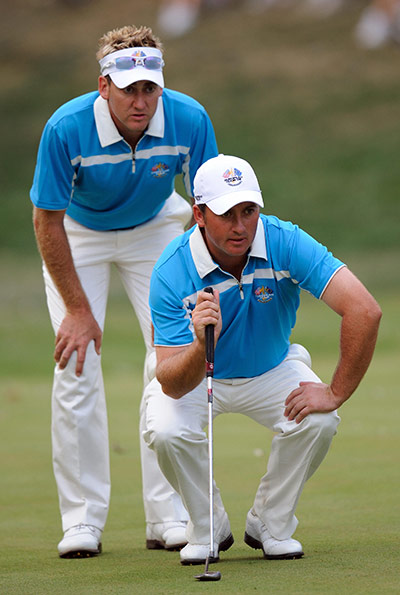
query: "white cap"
126, 72
225, 181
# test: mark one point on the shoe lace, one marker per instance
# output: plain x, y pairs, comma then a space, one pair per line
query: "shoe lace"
81, 526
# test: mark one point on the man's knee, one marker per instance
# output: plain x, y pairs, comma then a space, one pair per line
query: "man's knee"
299, 353
167, 438
161, 431
162, 437
323, 425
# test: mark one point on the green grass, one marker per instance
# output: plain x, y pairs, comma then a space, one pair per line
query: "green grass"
348, 512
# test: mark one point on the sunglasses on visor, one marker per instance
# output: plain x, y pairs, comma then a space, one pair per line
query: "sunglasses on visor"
129, 62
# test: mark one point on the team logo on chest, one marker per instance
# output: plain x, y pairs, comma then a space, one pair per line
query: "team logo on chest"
233, 176
159, 170
263, 294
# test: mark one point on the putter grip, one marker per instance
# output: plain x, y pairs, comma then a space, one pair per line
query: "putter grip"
209, 341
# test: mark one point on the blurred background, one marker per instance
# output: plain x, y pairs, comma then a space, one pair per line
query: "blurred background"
288, 84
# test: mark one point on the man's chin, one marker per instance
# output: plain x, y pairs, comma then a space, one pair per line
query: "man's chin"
138, 124
238, 248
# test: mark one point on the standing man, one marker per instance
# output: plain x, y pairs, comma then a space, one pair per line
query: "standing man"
257, 265
103, 193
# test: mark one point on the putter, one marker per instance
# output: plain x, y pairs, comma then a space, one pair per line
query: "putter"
207, 575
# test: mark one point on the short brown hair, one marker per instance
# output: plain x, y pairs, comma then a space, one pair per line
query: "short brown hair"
127, 37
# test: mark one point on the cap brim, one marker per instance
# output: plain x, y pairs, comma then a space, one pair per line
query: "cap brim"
128, 77
222, 204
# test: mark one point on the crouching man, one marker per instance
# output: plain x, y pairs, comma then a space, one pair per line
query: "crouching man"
257, 266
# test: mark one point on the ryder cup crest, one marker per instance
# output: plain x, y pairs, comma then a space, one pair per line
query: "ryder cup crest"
233, 176
263, 294
139, 55
159, 170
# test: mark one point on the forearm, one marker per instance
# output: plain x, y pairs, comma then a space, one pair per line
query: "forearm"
359, 329
56, 253
79, 326
357, 343
182, 371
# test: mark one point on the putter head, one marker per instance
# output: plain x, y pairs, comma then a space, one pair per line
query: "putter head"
208, 576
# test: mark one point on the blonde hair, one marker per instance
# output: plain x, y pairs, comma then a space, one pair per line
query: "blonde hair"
127, 37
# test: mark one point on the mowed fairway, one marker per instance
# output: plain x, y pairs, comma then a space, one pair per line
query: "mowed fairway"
349, 523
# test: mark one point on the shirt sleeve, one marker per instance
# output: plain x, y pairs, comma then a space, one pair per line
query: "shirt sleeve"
54, 173
310, 263
203, 147
171, 315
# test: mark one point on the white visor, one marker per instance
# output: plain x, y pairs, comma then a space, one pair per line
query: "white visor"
130, 65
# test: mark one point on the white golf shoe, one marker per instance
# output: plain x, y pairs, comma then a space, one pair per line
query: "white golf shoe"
80, 541
169, 536
258, 537
193, 554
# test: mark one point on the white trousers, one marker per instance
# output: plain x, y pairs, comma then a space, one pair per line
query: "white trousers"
175, 430
79, 415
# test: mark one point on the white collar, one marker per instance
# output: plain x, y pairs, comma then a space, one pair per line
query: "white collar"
203, 260
108, 132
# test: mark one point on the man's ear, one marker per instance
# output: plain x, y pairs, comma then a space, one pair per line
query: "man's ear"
198, 216
104, 87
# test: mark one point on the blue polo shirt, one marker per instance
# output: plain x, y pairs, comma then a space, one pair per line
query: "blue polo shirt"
259, 312
86, 167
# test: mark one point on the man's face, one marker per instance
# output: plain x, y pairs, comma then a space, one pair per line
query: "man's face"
131, 108
229, 236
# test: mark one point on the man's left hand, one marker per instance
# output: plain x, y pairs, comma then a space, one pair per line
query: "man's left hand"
310, 397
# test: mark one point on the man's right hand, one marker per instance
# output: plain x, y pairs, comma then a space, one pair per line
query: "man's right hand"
79, 326
75, 333
207, 311
180, 369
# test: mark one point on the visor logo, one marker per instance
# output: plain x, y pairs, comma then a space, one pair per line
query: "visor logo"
233, 176
139, 57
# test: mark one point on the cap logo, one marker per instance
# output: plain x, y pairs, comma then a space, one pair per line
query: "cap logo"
233, 176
